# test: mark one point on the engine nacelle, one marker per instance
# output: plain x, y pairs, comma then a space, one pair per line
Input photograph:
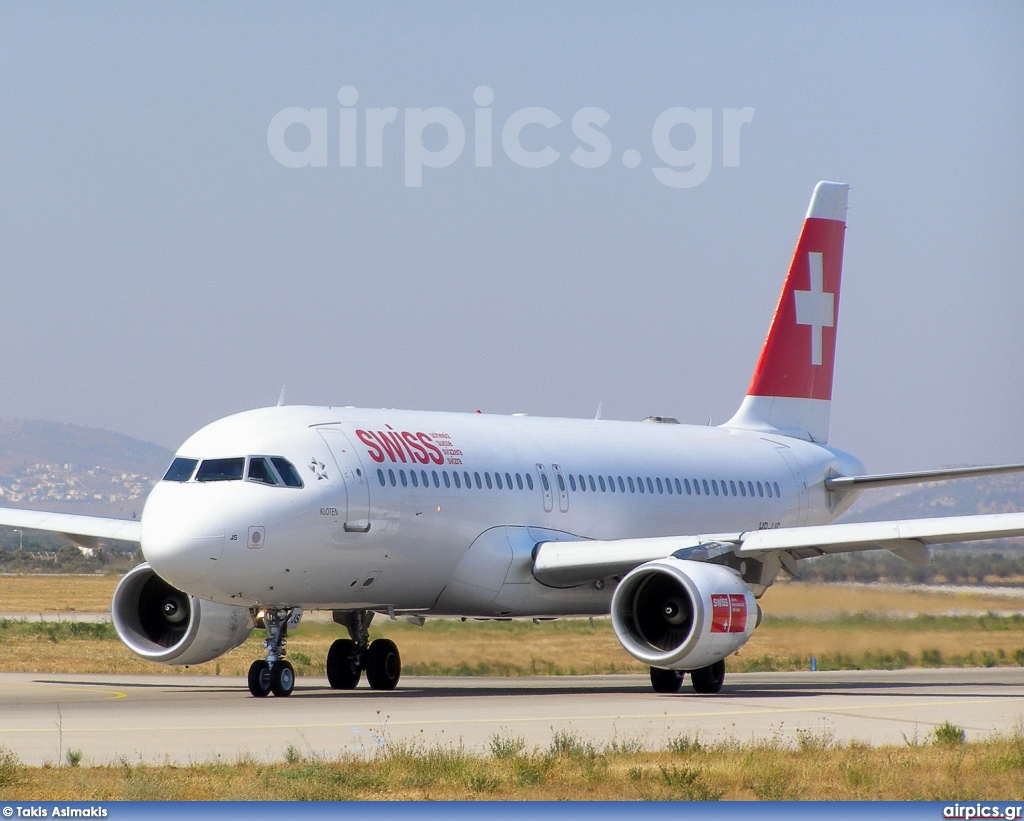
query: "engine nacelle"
683, 615
165, 625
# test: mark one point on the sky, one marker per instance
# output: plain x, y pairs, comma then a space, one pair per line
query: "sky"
187, 223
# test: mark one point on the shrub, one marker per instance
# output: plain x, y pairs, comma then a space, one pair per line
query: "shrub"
949, 734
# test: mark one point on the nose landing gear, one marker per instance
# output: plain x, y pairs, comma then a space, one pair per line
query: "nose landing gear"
347, 658
273, 674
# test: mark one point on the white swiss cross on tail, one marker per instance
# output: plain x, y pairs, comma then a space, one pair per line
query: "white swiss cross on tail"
815, 307
791, 390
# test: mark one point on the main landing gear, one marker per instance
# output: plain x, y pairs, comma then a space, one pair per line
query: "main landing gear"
273, 674
347, 658
705, 680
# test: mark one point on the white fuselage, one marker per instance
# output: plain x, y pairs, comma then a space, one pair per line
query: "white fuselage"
432, 512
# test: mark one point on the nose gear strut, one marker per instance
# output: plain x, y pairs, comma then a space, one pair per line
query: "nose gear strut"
273, 674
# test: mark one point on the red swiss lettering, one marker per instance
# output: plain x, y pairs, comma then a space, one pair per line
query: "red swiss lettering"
435, 455
374, 449
416, 450
403, 446
720, 613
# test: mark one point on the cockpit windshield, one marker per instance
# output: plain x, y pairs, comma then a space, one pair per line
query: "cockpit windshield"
287, 471
266, 470
260, 471
181, 470
273, 470
221, 470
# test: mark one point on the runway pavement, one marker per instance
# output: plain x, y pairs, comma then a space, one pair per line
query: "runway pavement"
181, 719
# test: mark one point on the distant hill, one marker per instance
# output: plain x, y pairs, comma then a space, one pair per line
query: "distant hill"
72, 469
963, 497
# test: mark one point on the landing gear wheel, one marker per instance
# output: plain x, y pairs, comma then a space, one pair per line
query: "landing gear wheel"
259, 678
282, 678
343, 671
666, 681
709, 679
383, 665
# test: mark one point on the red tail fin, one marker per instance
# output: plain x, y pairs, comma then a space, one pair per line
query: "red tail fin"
791, 388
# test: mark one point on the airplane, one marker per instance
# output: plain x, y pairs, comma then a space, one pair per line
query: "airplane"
675, 530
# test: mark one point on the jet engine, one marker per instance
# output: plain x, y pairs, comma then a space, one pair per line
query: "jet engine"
163, 624
683, 615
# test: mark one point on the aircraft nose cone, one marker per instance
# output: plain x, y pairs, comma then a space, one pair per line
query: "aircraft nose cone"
182, 535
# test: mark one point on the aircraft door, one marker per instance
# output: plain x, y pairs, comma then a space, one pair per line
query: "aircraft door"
357, 487
563, 491
545, 486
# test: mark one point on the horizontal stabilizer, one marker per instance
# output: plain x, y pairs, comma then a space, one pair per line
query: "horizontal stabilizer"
853, 536
844, 483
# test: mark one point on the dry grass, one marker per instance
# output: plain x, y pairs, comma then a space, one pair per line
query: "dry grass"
56, 593
554, 648
802, 621
813, 769
820, 601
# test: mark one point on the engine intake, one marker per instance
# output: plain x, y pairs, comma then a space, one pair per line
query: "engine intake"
163, 624
683, 615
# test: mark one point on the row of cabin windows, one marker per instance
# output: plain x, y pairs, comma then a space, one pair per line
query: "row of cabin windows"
699, 487
581, 483
455, 479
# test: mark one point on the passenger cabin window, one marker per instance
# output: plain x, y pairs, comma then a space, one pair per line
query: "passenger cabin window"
221, 470
181, 470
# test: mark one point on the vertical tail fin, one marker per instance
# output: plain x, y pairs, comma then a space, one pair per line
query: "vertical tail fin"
791, 390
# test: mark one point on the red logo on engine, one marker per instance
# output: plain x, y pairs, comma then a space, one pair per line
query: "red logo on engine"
728, 613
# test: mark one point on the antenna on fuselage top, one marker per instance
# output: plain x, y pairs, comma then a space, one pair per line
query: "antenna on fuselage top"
280, 399
600, 407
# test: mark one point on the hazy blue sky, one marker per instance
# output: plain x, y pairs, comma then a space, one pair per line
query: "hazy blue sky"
161, 268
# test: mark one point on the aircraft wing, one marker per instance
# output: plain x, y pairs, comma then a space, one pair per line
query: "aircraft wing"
565, 564
77, 529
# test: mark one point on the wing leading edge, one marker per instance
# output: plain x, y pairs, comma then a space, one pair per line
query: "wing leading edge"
564, 564
77, 529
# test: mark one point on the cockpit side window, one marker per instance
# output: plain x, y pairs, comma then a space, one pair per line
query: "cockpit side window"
181, 470
286, 470
221, 470
260, 471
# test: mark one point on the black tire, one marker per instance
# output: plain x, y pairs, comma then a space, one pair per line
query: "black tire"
666, 681
709, 680
282, 678
259, 678
383, 665
343, 670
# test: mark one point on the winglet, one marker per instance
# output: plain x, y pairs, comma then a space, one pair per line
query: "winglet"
791, 390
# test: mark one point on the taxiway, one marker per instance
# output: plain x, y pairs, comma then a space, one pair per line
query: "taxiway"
182, 719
